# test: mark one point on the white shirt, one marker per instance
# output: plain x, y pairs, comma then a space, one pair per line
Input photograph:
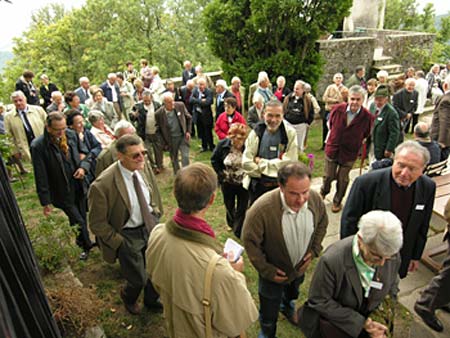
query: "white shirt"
135, 219
150, 122
114, 93
298, 228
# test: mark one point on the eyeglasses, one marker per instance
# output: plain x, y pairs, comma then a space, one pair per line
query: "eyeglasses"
136, 156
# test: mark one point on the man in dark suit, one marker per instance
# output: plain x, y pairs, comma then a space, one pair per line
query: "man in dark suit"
185, 96
437, 294
111, 90
402, 189
59, 174
83, 90
122, 214
405, 102
188, 72
173, 125
202, 99
440, 125
222, 94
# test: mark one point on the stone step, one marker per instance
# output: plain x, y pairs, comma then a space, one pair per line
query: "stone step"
390, 68
381, 60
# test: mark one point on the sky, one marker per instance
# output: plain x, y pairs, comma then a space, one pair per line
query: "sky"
15, 18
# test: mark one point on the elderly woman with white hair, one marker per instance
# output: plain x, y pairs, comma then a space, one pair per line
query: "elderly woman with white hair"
280, 90
352, 278
263, 88
434, 83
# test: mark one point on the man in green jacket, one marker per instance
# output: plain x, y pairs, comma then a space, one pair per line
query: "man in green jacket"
386, 129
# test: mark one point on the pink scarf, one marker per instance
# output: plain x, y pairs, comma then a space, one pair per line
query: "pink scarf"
193, 223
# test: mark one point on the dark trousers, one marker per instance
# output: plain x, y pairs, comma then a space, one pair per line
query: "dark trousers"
155, 151
272, 298
339, 172
76, 212
437, 293
204, 130
411, 122
258, 187
235, 198
132, 265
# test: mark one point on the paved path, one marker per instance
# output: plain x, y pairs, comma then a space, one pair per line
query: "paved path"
414, 282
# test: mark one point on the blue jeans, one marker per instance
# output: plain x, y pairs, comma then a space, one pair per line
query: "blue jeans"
274, 297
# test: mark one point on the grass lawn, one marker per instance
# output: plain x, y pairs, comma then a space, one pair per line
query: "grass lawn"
103, 281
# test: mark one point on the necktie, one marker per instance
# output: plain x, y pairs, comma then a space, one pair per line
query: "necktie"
87, 93
27, 125
149, 220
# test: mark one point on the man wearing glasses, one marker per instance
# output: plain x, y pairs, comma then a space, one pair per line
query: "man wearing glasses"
401, 189
122, 214
60, 164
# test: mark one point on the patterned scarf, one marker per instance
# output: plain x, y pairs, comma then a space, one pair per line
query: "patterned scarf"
61, 143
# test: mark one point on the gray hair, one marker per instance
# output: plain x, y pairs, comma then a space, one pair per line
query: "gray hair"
56, 93
307, 87
420, 74
95, 115
257, 97
17, 93
83, 79
112, 76
300, 82
356, 89
381, 230
338, 75
416, 148
293, 169
126, 141
166, 95
234, 79
44, 76
121, 125
221, 83
410, 80
422, 130
146, 92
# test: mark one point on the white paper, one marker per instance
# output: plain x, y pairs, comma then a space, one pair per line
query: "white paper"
232, 246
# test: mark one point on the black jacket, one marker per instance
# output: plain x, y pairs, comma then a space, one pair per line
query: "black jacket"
221, 107
46, 94
53, 172
202, 109
141, 119
372, 192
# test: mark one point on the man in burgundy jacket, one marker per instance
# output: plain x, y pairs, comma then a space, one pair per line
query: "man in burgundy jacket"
350, 124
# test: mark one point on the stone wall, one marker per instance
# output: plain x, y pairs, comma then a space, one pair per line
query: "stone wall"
342, 56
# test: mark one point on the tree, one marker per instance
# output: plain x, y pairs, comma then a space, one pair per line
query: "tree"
101, 36
408, 20
277, 36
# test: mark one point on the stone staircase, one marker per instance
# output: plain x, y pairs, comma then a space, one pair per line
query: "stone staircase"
383, 62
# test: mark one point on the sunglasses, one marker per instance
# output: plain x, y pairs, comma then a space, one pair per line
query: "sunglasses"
136, 156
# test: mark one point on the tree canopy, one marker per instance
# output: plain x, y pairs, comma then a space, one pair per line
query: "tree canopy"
278, 36
102, 35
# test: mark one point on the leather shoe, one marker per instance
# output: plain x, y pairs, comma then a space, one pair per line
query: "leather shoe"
291, 316
84, 256
134, 309
446, 308
429, 318
336, 208
155, 306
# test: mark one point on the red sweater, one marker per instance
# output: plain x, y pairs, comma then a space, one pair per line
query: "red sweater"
344, 141
222, 124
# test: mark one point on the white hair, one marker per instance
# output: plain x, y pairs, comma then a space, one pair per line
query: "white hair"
83, 79
121, 125
44, 76
17, 93
382, 230
56, 93
166, 95
155, 70
413, 147
234, 79
410, 80
95, 115
281, 78
257, 97
112, 75
187, 62
301, 83
221, 83
382, 73
262, 76
338, 75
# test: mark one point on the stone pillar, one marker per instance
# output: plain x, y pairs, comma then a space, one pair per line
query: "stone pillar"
367, 14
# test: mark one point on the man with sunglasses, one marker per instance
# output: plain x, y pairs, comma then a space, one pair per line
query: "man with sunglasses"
122, 214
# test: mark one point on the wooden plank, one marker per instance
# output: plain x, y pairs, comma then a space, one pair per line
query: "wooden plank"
442, 190
439, 205
441, 180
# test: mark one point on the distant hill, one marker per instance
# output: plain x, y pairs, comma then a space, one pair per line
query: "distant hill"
4, 56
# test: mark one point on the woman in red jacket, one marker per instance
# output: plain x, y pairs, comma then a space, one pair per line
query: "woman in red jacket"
224, 121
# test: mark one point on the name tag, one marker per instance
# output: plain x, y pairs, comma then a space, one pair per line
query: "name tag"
376, 285
380, 119
411, 101
273, 148
420, 207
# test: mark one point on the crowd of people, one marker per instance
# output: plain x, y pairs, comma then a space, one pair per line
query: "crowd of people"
95, 151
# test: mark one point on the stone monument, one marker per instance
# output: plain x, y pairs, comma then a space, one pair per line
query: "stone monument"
366, 14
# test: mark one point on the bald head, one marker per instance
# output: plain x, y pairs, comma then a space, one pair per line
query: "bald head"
422, 130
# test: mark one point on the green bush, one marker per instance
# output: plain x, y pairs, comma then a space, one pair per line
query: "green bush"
53, 243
